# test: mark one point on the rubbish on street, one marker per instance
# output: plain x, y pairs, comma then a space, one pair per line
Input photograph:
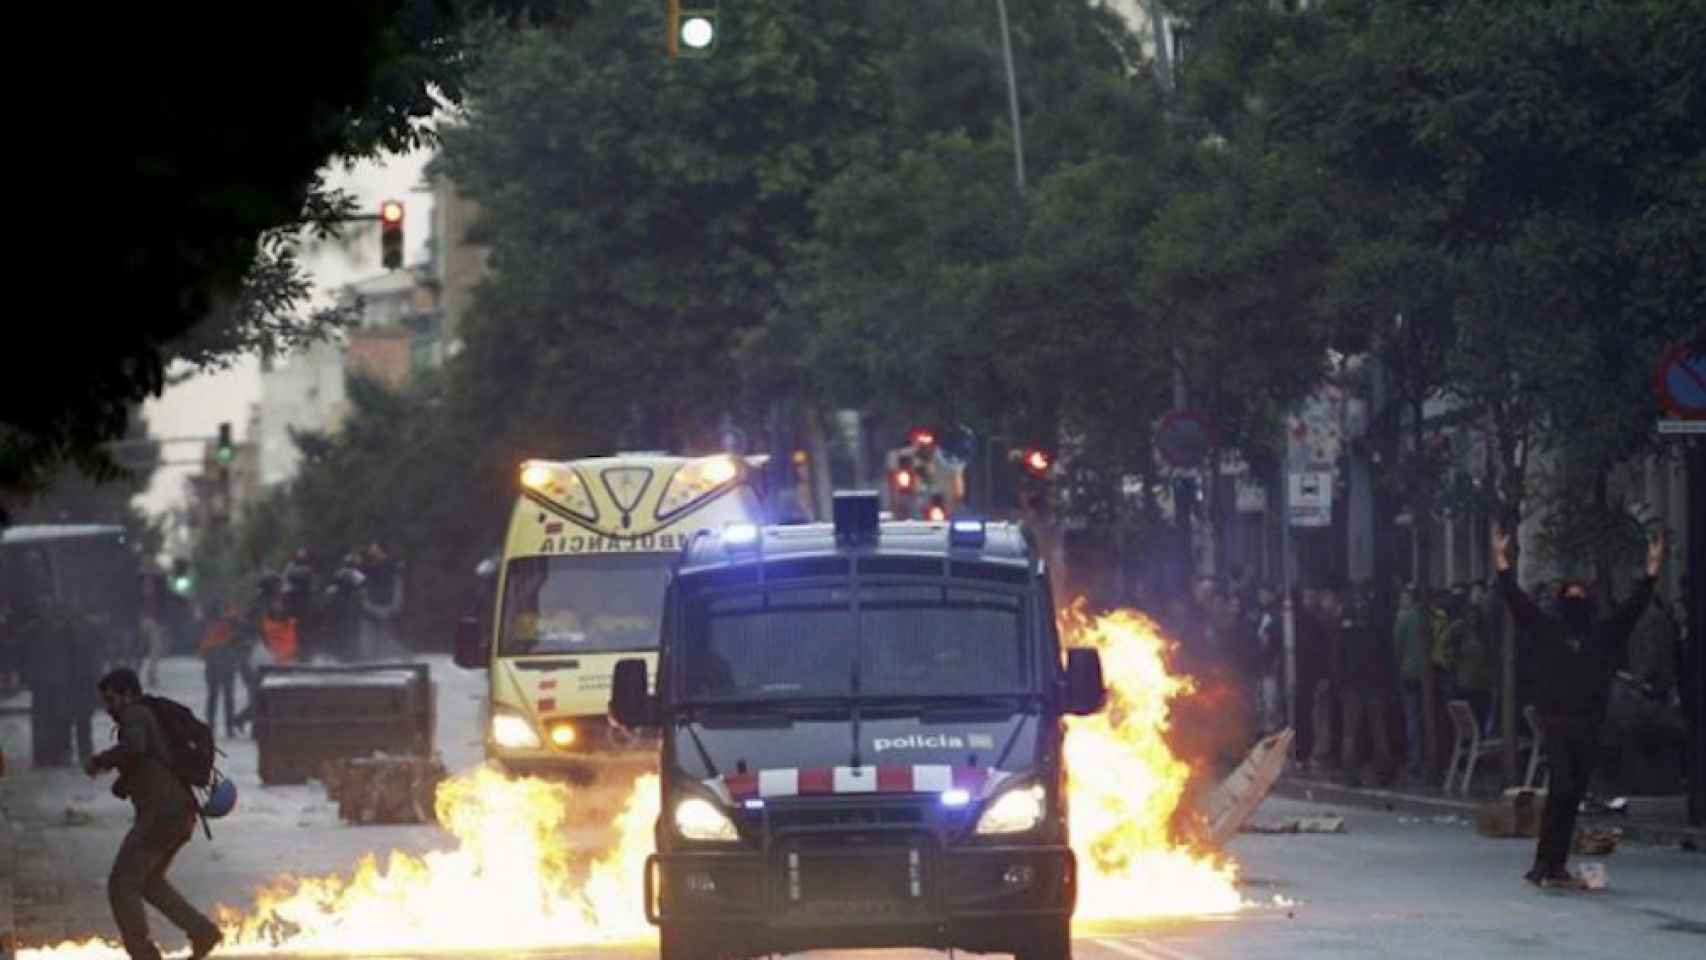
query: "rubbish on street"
1229, 805
1516, 814
1317, 824
1597, 841
1591, 876
385, 789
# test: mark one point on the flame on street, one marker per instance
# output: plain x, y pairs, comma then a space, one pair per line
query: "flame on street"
510, 881
1125, 784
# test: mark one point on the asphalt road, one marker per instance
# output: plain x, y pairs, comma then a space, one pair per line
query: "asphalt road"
1390, 886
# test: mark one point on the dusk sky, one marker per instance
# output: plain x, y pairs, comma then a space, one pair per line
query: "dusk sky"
196, 407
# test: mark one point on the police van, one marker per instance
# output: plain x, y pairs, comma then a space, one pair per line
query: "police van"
579, 583
861, 735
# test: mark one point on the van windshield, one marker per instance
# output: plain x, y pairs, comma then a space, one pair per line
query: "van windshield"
583, 604
912, 641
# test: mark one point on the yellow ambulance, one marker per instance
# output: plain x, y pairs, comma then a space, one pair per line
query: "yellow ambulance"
580, 585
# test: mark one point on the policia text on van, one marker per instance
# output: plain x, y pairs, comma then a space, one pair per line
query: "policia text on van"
862, 731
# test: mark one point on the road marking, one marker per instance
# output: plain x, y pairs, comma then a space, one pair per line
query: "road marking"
1142, 950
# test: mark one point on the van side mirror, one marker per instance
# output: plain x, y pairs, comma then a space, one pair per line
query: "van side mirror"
1085, 691
471, 652
631, 703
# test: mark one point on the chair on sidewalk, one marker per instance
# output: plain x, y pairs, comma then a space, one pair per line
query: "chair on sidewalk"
1537, 740
1468, 746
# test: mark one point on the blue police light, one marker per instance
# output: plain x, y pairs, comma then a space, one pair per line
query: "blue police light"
967, 532
855, 517
740, 536
955, 797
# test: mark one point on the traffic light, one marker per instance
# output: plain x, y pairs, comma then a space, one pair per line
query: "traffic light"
225, 451
182, 583
391, 234
1036, 462
692, 32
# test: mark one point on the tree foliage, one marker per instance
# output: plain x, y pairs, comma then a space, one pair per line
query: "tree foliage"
183, 193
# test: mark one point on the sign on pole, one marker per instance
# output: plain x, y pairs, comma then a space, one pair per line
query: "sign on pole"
1309, 500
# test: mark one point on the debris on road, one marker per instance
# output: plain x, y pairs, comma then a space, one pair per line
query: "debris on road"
1515, 814
1229, 805
1597, 841
1329, 823
385, 789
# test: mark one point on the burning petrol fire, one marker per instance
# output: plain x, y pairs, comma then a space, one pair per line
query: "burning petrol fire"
1126, 784
508, 883
511, 883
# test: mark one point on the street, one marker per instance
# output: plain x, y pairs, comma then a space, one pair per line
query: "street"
1390, 886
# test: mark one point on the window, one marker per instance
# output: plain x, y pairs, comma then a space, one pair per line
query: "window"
583, 604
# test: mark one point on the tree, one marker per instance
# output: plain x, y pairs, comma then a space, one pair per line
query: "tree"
180, 198
672, 192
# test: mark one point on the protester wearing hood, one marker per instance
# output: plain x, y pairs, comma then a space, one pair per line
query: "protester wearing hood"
1576, 652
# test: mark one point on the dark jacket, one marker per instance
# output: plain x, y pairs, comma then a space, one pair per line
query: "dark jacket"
1574, 667
143, 762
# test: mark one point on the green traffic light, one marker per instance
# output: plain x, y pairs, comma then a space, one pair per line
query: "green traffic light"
225, 455
181, 585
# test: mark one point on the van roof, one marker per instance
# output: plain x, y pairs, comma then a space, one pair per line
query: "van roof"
1004, 544
49, 532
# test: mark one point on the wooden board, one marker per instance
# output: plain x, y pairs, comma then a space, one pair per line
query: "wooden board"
1229, 805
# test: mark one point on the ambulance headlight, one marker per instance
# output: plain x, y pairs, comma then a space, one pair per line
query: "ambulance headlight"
513, 732
1014, 811
699, 819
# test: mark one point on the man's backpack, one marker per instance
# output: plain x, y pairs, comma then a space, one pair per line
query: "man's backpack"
189, 742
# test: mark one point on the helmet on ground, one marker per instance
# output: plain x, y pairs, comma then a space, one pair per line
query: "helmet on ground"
221, 800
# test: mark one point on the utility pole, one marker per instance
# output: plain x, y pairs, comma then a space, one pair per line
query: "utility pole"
1012, 99
1694, 656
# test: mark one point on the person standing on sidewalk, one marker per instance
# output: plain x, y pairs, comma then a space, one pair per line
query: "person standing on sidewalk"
165, 820
1410, 639
1329, 683
1577, 652
1365, 683
1476, 672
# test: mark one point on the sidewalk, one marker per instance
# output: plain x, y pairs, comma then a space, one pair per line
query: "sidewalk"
1658, 821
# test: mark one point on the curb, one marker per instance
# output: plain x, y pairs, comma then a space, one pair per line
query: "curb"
1317, 791
8, 866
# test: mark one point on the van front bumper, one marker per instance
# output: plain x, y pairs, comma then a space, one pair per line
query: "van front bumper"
916, 893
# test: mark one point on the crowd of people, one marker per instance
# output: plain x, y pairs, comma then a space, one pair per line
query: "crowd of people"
1362, 657
297, 614
293, 616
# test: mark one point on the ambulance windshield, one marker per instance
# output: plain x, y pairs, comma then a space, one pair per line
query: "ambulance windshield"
583, 604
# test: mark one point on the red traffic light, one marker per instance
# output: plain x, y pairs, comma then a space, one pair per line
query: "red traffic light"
1037, 461
391, 211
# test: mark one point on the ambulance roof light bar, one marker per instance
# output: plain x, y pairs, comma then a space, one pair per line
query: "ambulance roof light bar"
855, 514
967, 532
740, 537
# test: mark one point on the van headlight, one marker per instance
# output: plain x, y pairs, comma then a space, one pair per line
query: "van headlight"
512, 731
699, 819
1014, 811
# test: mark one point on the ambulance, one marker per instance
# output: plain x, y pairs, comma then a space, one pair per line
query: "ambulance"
579, 586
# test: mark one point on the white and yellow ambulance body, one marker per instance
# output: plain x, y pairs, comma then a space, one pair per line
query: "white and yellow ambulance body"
580, 586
